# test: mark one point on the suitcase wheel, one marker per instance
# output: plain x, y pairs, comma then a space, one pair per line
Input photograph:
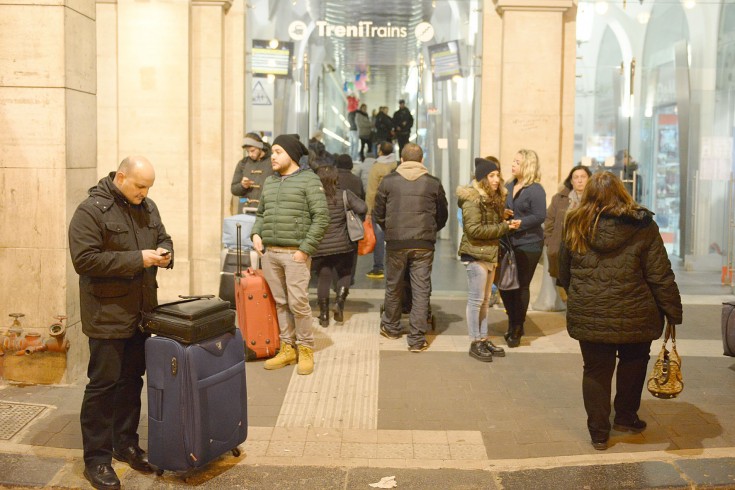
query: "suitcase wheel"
236, 452
159, 472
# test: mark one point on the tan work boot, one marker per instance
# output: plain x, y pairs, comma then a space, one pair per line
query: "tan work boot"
286, 356
306, 360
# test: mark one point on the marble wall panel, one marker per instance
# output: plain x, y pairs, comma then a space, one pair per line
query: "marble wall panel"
107, 111
79, 51
31, 211
81, 130
37, 61
33, 282
32, 127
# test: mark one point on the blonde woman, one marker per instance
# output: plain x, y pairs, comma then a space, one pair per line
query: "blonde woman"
482, 203
525, 202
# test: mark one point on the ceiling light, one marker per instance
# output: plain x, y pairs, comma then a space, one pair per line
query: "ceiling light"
601, 7
643, 17
690, 4
271, 78
273, 43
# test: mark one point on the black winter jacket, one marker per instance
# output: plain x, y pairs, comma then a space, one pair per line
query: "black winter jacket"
348, 181
106, 235
623, 288
410, 207
256, 171
336, 240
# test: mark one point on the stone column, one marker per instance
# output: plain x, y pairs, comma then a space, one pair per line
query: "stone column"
154, 116
207, 118
47, 161
530, 97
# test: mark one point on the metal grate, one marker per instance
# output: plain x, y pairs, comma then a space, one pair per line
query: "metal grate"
15, 416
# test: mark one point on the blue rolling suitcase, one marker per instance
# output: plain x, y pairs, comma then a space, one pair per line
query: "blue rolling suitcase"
197, 400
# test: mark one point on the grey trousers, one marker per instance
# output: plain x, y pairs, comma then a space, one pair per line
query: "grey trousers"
289, 283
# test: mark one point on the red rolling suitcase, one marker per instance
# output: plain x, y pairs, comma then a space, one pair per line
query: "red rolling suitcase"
256, 312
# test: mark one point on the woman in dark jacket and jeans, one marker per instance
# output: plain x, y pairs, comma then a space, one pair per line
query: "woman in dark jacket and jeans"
526, 202
620, 288
334, 257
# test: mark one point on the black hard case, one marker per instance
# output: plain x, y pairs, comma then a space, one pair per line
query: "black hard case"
191, 320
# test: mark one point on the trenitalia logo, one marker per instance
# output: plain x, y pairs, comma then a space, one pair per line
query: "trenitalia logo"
363, 28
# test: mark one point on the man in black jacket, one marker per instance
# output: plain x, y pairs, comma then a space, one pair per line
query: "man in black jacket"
117, 243
411, 208
403, 120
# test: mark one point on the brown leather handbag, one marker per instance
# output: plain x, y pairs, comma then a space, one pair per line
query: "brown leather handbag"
665, 380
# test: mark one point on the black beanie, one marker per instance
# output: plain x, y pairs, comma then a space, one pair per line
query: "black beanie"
344, 161
292, 146
483, 168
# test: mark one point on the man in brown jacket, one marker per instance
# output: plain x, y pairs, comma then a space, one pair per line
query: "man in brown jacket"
117, 243
385, 164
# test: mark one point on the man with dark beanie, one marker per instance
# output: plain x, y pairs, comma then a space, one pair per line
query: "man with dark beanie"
290, 222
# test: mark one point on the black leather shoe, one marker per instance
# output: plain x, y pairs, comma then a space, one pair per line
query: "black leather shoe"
636, 427
479, 351
494, 349
135, 457
599, 445
102, 477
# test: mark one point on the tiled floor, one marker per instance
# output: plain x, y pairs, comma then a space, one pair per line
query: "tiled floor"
371, 403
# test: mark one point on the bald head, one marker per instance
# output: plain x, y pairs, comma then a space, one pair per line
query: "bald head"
134, 177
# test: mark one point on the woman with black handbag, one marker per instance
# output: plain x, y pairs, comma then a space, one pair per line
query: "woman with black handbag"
620, 288
334, 257
525, 202
482, 204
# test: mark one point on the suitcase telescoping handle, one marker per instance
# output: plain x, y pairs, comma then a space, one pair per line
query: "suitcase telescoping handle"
239, 250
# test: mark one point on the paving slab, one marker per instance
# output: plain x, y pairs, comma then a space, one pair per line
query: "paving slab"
709, 472
644, 475
28, 470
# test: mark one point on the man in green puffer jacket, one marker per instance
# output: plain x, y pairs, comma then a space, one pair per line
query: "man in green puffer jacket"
291, 220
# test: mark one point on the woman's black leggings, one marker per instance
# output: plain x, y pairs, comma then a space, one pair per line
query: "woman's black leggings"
328, 267
516, 300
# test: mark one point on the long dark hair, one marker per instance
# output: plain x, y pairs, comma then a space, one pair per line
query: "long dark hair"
604, 194
496, 199
328, 175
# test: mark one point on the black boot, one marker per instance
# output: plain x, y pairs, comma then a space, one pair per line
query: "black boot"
339, 307
479, 350
513, 338
324, 312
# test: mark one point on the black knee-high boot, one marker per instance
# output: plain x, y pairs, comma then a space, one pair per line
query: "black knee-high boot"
324, 312
339, 307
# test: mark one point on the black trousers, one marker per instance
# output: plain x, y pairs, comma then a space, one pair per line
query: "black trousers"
363, 142
402, 141
418, 263
599, 366
516, 300
329, 269
111, 406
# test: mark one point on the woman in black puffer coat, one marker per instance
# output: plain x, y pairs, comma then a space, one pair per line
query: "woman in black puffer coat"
620, 289
335, 254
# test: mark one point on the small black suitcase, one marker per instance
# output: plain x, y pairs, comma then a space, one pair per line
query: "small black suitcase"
227, 274
191, 320
728, 328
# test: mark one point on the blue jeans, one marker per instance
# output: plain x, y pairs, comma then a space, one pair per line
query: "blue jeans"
354, 145
480, 285
379, 251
